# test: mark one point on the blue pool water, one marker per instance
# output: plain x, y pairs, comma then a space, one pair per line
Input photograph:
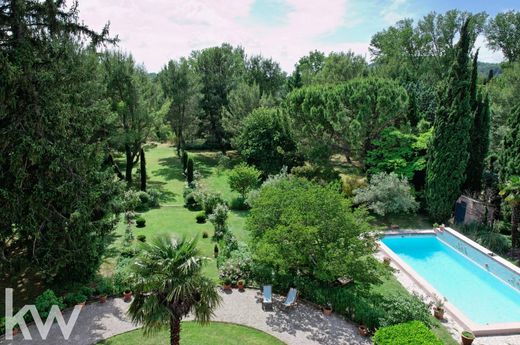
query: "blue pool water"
481, 296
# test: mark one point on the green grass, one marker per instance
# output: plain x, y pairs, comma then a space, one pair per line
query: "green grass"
406, 221
391, 286
164, 172
216, 333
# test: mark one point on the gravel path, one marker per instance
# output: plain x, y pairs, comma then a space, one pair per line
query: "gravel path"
301, 325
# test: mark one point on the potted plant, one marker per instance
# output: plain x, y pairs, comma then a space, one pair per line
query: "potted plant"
467, 337
438, 307
227, 283
387, 260
127, 295
363, 330
241, 284
327, 309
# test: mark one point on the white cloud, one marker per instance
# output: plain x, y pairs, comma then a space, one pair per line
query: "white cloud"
157, 31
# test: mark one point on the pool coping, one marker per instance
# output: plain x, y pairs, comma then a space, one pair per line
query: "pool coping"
460, 318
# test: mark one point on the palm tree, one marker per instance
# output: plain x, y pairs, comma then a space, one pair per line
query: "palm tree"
168, 285
511, 191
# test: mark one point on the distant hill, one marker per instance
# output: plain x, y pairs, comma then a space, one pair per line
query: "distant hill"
484, 67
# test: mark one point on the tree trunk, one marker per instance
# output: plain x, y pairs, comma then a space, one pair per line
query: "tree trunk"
129, 164
514, 225
143, 171
175, 331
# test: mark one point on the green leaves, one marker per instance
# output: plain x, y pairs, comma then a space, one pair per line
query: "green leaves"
243, 179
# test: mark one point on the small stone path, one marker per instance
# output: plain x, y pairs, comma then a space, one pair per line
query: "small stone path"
303, 324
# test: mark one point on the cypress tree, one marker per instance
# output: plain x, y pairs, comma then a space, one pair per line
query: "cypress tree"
509, 156
189, 170
143, 170
479, 134
448, 153
184, 161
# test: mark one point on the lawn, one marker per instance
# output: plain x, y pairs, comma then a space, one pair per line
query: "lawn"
216, 333
164, 172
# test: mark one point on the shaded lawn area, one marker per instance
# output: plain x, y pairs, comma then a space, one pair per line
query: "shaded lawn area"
164, 170
405, 221
391, 286
216, 333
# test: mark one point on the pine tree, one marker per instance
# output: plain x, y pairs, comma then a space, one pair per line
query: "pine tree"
189, 170
479, 134
448, 154
509, 157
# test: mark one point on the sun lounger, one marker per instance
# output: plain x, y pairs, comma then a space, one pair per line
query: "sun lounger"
291, 298
267, 301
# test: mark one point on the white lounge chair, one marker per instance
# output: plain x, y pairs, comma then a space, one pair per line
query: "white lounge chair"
267, 301
291, 298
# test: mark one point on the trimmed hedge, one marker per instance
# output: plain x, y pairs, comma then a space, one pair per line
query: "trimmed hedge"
410, 333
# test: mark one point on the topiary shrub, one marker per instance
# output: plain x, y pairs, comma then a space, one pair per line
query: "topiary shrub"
184, 160
141, 238
201, 217
191, 202
46, 300
140, 222
410, 333
189, 171
205, 234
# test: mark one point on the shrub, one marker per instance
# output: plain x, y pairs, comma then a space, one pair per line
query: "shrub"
316, 173
201, 217
403, 308
237, 266
205, 234
189, 171
387, 194
141, 238
46, 300
140, 222
410, 333
349, 183
219, 220
105, 286
239, 204
74, 298
487, 237
209, 201
191, 202
244, 178
154, 197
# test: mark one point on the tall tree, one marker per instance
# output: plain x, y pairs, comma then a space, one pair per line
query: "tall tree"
170, 285
479, 133
181, 85
134, 100
242, 101
509, 156
267, 74
346, 117
142, 170
503, 33
448, 153
220, 69
56, 187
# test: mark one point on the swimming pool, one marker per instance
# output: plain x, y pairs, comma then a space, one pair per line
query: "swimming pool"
483, 291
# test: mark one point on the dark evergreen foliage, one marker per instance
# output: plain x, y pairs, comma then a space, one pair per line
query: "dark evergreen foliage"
189, 170
509, 156
142, 170
448, 153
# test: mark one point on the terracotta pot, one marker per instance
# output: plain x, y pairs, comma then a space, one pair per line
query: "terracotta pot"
227, 286
438, 313
127, 296
327, 311
363, 330
102, 298
467, 340
240, 286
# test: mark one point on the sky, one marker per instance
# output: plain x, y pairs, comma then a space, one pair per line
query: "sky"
285, 30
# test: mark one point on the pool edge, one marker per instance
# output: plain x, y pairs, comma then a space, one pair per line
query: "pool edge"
458, 316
